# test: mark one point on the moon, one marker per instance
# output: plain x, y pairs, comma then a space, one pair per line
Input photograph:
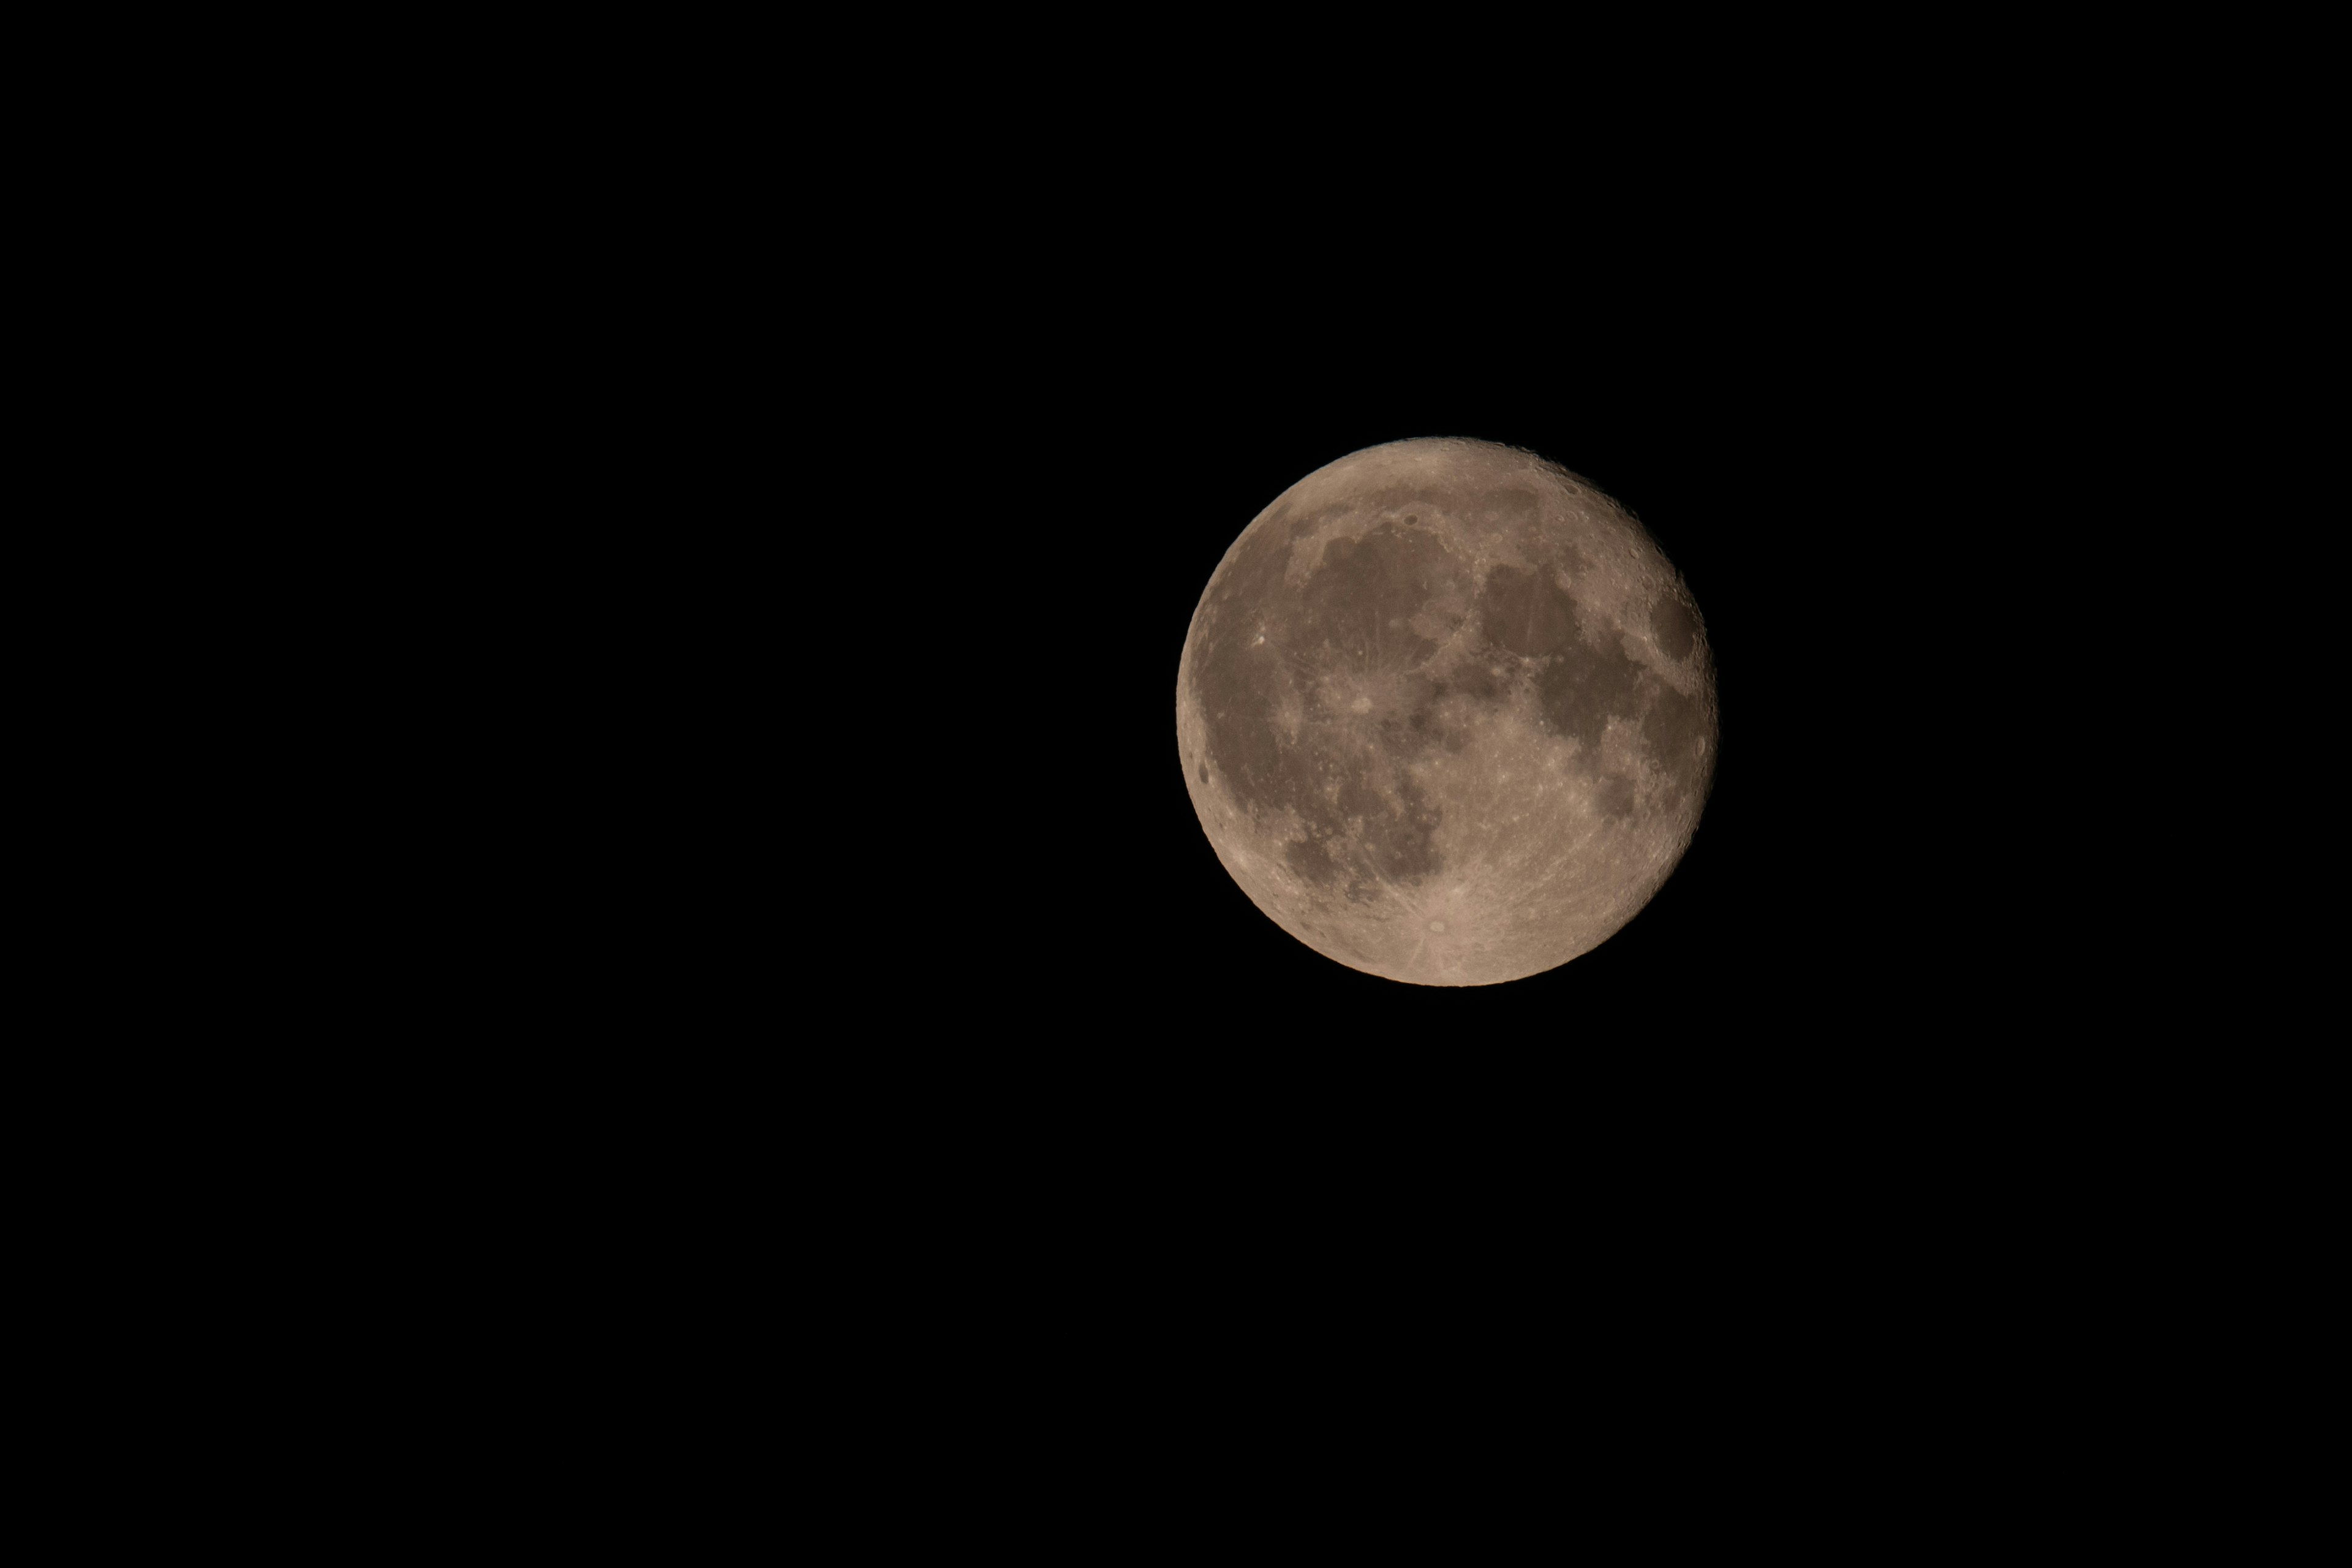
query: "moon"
1447, 713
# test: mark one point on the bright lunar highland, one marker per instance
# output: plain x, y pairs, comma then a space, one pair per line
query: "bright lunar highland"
1447, 713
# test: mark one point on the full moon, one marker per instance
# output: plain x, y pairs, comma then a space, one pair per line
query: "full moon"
1447, 713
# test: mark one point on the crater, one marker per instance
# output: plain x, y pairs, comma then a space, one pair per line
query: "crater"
1671, 623
1674, 733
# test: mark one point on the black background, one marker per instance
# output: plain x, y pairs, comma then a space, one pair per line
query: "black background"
943, 996
913, 1002
813, 937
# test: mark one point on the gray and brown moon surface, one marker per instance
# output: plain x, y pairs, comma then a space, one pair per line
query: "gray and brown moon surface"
1447, 713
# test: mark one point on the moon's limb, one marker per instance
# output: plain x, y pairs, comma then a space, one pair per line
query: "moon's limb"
1447, 712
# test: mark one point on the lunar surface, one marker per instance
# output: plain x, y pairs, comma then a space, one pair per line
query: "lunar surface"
1447, 713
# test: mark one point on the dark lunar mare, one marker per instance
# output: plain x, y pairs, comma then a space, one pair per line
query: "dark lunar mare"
1672, 624
1365, 818
1582, 684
